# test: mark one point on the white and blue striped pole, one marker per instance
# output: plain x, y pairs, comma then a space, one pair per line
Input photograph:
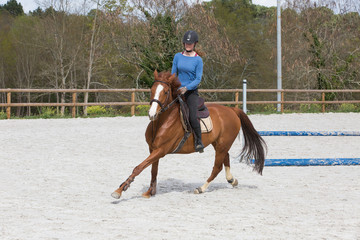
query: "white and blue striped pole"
244, 95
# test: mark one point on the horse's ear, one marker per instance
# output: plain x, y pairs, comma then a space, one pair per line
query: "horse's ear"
172, 77
156, 74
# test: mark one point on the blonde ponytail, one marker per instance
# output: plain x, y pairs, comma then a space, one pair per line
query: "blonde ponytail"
199, 51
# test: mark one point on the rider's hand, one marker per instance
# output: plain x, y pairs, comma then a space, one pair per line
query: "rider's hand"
183, 90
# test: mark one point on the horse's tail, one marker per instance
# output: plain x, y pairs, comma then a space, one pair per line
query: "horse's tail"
254, 145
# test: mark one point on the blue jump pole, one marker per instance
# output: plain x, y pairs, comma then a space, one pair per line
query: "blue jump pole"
309, 133
311, 162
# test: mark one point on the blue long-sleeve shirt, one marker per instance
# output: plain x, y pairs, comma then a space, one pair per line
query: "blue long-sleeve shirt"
188, 69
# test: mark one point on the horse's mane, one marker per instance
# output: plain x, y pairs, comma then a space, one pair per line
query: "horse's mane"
173, 81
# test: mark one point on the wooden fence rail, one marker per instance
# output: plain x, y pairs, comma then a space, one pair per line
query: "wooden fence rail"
133, 92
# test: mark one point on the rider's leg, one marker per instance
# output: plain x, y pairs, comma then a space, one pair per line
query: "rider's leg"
192, 97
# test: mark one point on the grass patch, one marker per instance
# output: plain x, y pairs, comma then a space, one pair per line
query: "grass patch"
3, 115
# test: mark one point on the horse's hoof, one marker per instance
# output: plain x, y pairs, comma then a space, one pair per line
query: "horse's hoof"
235, 183
116, 195
198, 190
146, 195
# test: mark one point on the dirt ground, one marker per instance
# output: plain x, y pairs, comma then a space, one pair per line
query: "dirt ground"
56, 177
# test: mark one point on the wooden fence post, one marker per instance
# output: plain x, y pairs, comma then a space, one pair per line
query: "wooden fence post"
282, 101
237, 99
8, 109
323, 99
74, 102
133, 106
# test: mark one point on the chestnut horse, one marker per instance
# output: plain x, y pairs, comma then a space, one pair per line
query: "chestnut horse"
165, 131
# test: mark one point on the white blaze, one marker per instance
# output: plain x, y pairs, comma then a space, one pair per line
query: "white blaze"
154, 105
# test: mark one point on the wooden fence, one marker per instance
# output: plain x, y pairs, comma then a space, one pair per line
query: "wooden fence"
133, 92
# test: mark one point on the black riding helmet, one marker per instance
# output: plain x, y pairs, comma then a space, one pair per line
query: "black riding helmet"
190, 37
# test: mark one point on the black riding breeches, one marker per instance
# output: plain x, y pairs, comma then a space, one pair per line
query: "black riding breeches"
191, 98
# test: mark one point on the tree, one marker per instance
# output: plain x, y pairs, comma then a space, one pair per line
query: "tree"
246, 27
147, 40
320, 47
163, 43
27, 54
121, 43
62, 36
37, 12
13, 7
6, 52
95, 43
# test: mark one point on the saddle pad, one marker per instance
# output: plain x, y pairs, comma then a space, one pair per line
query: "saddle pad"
206, 124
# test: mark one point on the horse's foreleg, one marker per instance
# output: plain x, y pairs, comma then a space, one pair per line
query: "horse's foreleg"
123, 187
153, 157
152, 189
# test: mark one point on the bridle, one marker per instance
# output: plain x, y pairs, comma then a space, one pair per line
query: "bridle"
164, 106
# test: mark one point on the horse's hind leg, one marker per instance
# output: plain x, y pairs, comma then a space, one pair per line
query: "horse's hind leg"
218, 165
229, 176
152, 189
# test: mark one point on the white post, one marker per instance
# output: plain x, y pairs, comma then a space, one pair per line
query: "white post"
244, 95
279, 74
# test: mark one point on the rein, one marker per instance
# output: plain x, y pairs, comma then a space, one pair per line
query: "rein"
163, 109
187, 133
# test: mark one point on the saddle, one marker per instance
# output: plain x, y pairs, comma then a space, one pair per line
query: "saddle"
204, 118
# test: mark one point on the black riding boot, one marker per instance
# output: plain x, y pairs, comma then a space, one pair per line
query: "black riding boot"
199, 147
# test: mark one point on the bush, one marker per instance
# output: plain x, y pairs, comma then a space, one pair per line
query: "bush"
262, 108
96, 110
348, 107
142, 109
47, 112
270, 108
310, 108
3, 115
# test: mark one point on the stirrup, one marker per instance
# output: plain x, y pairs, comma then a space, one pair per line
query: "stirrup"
199, 147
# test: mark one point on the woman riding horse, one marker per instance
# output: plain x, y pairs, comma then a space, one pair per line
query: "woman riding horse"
165, 132
188, 66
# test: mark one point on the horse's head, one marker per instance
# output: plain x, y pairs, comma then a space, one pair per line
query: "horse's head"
163, 91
